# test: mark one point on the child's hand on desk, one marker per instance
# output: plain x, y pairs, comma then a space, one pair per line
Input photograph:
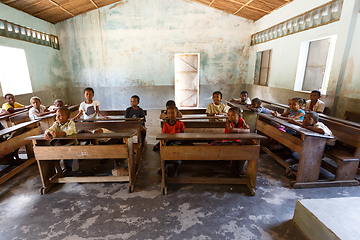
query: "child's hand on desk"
293, 121
105, 117
275, 113
47, 136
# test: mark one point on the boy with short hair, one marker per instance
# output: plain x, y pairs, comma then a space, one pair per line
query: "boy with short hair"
244, 99
11, 106
89, 108
315, 104
311, 122
256, 106
169, 103
216, 107
37, 109
136, 112
63, 126
58, 103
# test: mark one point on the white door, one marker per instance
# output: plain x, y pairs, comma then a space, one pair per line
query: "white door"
187, 79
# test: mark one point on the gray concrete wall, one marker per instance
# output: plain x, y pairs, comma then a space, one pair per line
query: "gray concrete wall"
128, 48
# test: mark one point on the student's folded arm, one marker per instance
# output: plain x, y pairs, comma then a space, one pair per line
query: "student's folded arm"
318, 130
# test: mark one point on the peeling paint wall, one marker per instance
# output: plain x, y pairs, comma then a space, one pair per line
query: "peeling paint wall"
44, 63
128, 48
286, 50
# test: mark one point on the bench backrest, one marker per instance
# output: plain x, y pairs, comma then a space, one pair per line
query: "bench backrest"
352, 116
274, 108
344, 133
190, 111
20, 118
115, 126
116, 112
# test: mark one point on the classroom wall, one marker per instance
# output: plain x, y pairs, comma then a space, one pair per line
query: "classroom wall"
44, 63
286, 50
128, 48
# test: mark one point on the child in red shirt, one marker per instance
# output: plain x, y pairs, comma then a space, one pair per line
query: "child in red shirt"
172, 125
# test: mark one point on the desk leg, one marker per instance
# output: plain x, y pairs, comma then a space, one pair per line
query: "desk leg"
163, 173
46, 169
133, 170
311, 155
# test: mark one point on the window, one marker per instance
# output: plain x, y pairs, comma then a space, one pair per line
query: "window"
262, 67
14, 71
314, 65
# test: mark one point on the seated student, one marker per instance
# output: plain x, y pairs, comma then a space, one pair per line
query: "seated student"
256, 106
170, 103
244, 98
163, 115
11, 106
315, 104
63, 126
136, 112
294, 112
216, 108
90, 107
311, 122
58, 103
37, 109
172, 125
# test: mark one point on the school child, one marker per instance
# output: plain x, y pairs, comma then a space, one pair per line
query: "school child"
256, 106
244, 99
294, 112
89, 108
315, 104
170, 103
172, 125
63, 126
216, 107
37, 109
11, 106
311, 122
136, 112
163, 115
58, 103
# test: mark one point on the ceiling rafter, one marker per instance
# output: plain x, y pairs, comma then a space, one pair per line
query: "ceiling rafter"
211, 3
250, 1
259, 9
55, 3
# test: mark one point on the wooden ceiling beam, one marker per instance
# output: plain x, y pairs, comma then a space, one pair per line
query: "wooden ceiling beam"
44, 11
92, 1
243, 7
35, 3
211, 3
55, 3
259, 9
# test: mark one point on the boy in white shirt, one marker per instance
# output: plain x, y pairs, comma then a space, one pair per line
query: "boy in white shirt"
315, 104
216, 107
37, 109
90, 107
244, 99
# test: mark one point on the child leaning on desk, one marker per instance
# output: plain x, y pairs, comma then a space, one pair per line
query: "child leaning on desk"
63, 126
295, 112
89, 108
11, 106
37, 109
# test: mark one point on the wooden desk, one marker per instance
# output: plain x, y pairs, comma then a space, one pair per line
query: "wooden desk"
5, 119
339, 120
310, 146
208, 152
16, 142
44, 155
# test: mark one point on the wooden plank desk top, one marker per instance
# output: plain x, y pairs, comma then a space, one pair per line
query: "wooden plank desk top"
127, 134
120, 118
276, 104
13, 114
339, 120
207, 136
184, 118
241, 106
297, 128
17, 127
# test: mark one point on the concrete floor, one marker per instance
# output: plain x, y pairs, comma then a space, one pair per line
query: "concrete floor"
107, 211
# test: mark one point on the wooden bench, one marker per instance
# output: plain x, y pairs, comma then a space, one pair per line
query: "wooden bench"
279, 107
346, 151
45, 154
5, 119
112, 113
213, 153
310, 146
191, 111
14, 143
352, 116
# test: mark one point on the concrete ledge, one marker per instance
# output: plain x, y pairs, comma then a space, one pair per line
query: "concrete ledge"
333, 218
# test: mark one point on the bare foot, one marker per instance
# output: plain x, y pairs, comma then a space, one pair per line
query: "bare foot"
57, 175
